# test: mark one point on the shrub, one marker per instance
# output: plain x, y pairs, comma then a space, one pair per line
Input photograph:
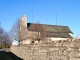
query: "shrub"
0, 46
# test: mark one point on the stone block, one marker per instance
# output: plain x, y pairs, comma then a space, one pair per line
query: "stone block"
65, 52
64, 57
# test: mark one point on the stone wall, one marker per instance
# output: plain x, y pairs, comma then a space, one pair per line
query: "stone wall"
59, 50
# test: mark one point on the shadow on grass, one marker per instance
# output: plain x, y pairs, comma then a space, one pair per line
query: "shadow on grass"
8, 56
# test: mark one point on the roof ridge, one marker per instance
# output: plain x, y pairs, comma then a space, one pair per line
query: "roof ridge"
50, 24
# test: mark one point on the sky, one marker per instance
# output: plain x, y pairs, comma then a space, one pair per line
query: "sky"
67, 13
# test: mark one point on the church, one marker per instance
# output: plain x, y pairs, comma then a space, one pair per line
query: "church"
55, 32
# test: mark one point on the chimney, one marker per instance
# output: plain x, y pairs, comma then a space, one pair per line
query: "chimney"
23, 28
24, 21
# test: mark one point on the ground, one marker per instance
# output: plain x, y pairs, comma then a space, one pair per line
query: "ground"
8, 56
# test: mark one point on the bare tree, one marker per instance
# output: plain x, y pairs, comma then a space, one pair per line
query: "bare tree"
1, 35
19, 30
4, 38
39, 32
14, 32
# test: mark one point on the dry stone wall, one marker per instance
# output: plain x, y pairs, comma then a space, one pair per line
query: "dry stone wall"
60, 50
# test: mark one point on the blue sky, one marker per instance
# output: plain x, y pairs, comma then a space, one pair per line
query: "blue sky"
44, 11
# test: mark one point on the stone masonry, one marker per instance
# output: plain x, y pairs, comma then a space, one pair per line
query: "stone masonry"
23, 28
59, 50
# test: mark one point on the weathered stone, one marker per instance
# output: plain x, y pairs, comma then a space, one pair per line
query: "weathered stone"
60, 52
44, 52
74, 59
65, 52
64, 57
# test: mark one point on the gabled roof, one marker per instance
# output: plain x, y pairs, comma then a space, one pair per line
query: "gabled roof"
56, 28
53, 30
62, 35
50, 28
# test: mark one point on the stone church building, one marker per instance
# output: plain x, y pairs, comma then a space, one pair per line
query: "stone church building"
55, 32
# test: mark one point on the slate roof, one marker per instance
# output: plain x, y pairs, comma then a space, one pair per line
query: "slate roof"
62, 35
53, 30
